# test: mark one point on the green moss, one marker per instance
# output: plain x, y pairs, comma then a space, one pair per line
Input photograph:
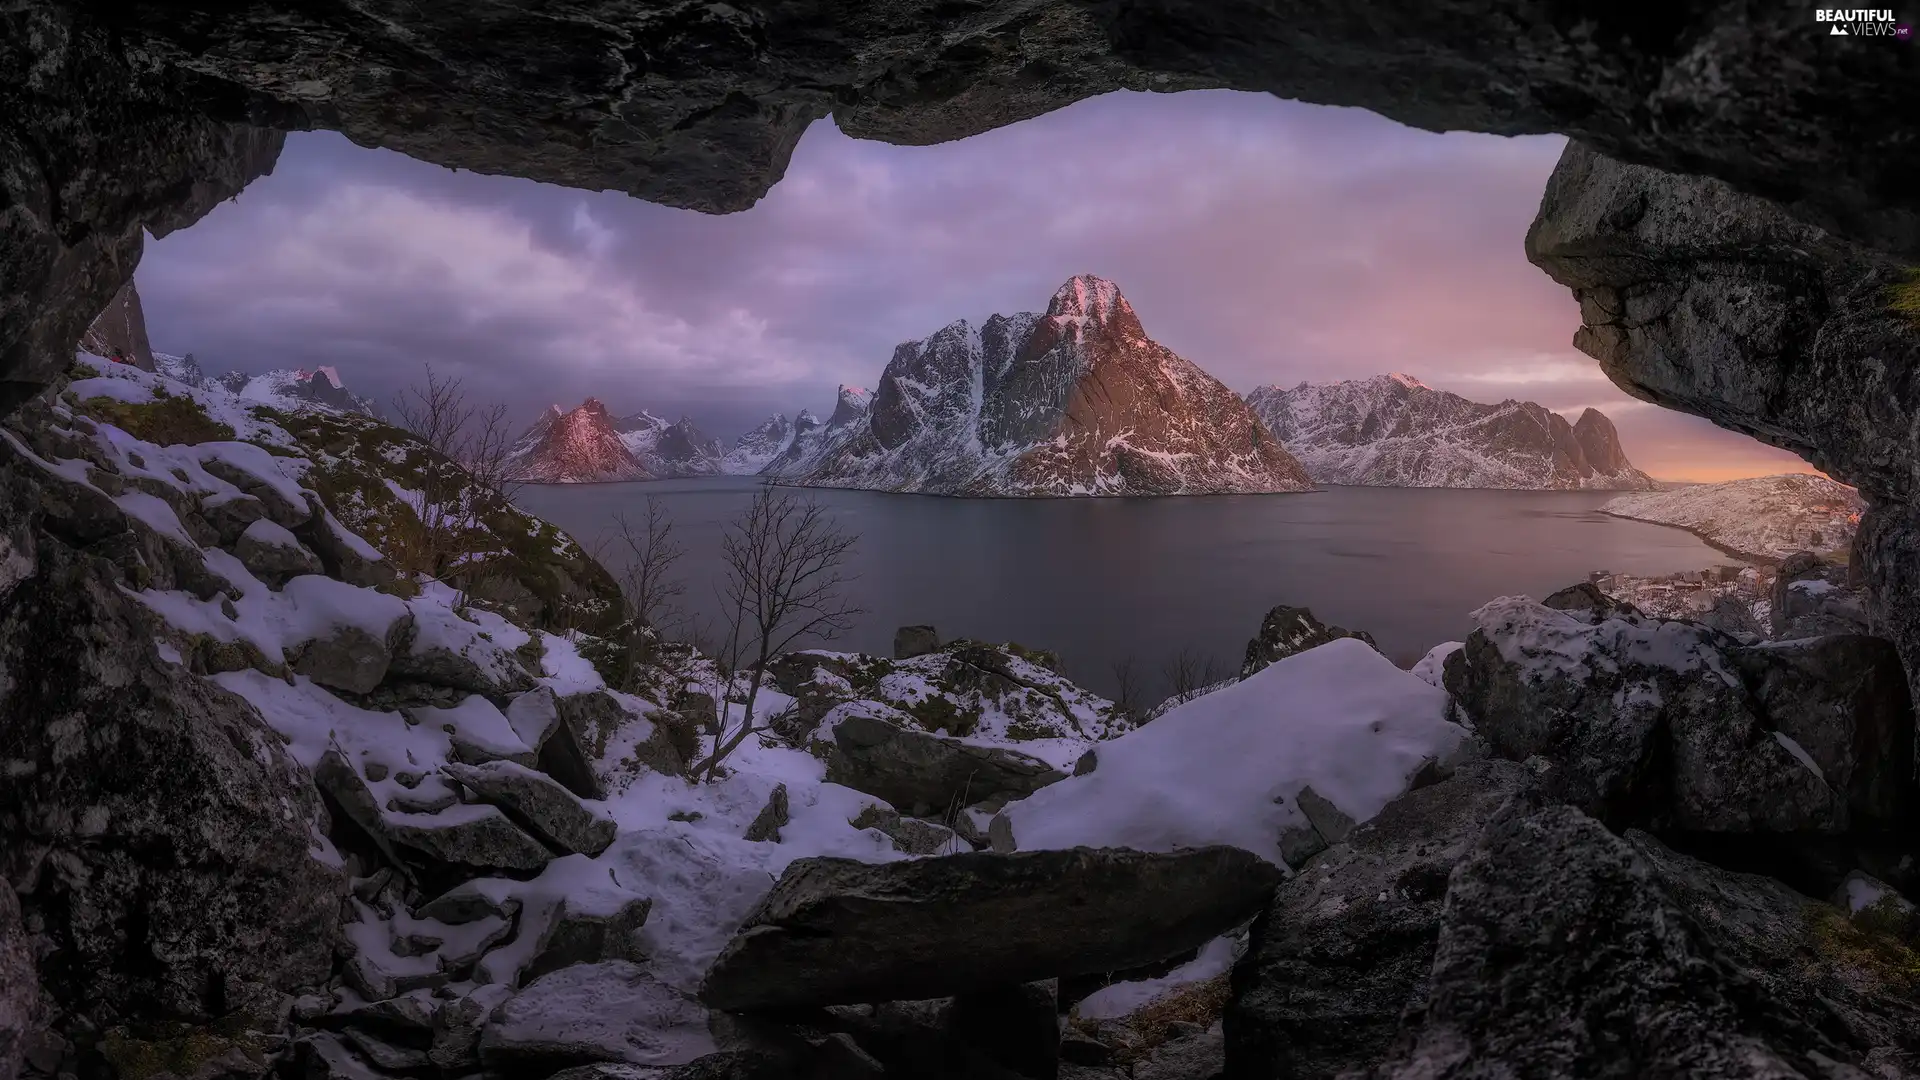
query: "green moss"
1862, 946
1903, 298
934, 713
169, 1048
164, 421
1046, 658
1024, 728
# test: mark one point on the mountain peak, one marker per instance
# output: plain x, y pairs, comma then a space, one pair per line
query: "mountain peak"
1407, 381
1091, 297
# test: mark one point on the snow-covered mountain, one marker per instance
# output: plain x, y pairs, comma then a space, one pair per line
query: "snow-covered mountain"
1768, 517
1077, 401
814, 442
578, 447
669, 449
757, 448
1396, 431
282, 389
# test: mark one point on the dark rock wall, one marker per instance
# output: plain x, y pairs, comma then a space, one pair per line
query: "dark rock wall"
1698, 298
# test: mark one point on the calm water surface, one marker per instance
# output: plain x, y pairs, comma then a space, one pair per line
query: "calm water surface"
1099, 580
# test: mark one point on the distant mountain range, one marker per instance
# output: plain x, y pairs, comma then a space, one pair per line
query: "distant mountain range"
1080, 401
1396, 431
322, 386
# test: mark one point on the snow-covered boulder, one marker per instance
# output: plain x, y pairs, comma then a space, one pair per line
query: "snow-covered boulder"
925, 774
538, 803
1229, 767
609, 1011
273, 554
1288, 630
1655, 721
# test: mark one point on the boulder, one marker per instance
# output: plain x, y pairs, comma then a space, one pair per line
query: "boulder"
766, 824
1346, 944
272, 554
230, 513
912, 641
1565, 950
1646, 720
1587, 601
146, 812
585, 933
20, 1005
344, 554
611, 1011
911, 835
1288, 630
280, 509
538, 804
816, 682
839, 931
455, 1045
1811, 598
923, 773
576, 746
534, 716
463, 839
1844, 702
1199, 1055
346, 658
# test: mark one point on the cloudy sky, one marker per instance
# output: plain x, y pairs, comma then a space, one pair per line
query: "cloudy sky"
1267, 241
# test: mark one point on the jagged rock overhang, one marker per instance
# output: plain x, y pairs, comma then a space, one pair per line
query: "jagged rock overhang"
121, 115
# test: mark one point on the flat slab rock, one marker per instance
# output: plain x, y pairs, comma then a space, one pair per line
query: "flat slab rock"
836, 931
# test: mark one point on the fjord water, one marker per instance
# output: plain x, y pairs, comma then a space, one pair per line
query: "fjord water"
1099, 580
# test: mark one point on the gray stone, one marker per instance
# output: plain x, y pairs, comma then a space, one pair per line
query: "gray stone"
322, 1055
1285, 631
610, 1011
1568, 951
1876, 907
1298, 843
162, 815
455, 1047
20, 1007
273, 555
911, 835
402, 1018
1346, 943
1200, 1055
538, 804
912, 641
347, 658
463, 838
1328, 820
1086, 762
1646, 720
384, 1055
1844, 701
230, 514
534, 716
839, 931
1079, 1048
922, 773
1586, 600
1016, 1026
280, 510
574, 935
1000, 834
343, 555
766, 824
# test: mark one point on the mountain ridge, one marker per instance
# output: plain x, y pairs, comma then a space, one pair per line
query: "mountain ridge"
1393, 430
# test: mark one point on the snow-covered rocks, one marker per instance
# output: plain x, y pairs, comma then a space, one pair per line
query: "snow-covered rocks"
836, 931
923, 773
1671, 724
273, 554
538, 803
1765, 517
609, 1011
1230, 767
1078, 401
1395, 431
1285, 631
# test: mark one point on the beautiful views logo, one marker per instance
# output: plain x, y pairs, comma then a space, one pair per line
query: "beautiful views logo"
1863, 22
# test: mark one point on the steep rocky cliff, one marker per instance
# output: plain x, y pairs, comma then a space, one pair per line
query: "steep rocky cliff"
577, 447
1395, 431
812, 441
1699, 298
1078, 401
120, 331
754, 450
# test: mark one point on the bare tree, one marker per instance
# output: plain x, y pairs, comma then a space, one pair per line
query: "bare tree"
476, 444
648, 584
785, 580
1126, 682
1188, 673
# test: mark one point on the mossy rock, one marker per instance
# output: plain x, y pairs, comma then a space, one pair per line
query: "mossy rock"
177, 1050
1863, 946
164, 421
515, 563
934, 713
1903, 298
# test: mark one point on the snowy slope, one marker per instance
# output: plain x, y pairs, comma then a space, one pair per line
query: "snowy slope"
1395, 431
669, 449
1078, 401
1766, 517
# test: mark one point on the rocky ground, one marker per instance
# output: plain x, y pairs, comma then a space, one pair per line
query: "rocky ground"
278, 806
1804, 595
